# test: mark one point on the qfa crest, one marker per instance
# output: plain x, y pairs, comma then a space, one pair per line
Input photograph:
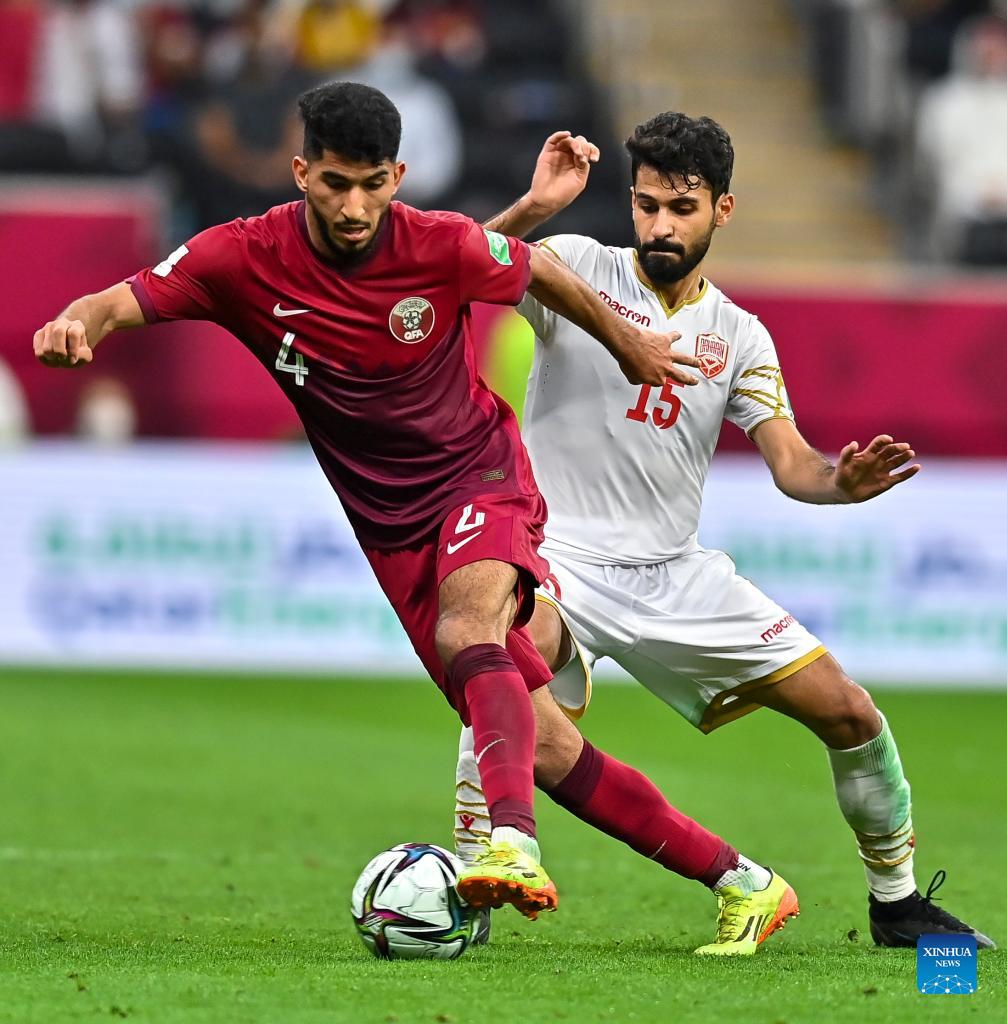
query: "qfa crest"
711, 351
411, 320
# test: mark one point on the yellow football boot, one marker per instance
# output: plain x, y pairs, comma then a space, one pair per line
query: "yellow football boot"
504, 874
745, 922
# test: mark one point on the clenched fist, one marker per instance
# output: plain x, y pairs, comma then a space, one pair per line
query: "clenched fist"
62, 342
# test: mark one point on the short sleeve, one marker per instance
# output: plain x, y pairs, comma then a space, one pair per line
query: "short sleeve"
193, 282
568, 249
493, 267
757, 389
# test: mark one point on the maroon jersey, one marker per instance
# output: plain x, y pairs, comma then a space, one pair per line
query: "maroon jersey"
377, 359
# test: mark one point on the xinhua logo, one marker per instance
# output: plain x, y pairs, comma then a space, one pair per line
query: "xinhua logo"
946, 965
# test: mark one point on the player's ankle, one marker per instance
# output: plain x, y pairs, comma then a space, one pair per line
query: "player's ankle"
891, 884
524, 842
748, 876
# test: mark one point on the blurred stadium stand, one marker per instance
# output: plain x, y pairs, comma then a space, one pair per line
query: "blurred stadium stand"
871, 179
802, 199
169, 116
203, 93
921, 85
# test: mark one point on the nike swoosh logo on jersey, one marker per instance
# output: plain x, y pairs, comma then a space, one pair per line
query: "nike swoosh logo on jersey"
278, 311
452, 547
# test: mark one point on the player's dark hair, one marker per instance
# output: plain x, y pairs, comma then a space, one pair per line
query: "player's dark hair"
353, 120
678, 146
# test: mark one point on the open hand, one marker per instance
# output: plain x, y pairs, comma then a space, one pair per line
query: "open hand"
62, 342
861, 475
561, 171
650, 359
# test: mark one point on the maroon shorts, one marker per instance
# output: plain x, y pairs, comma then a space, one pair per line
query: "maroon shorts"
505, 528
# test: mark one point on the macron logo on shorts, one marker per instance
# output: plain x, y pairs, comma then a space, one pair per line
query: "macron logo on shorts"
777, 628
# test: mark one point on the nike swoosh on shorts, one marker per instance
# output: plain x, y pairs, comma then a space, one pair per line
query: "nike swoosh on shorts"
452, 548
278, 311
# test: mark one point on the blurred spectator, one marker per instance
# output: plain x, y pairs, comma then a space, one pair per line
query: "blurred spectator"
336, 34
962, 141
446, 35
106, 413
76, 85
234, 156
14, 425
20, 29
175, 53
931, 26
431, 131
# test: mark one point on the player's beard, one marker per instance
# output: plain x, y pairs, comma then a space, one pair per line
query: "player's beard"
337, 250
662, 270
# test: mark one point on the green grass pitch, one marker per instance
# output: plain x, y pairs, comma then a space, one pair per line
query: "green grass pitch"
181, 849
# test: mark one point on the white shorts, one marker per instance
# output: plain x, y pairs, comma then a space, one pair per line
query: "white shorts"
691, 630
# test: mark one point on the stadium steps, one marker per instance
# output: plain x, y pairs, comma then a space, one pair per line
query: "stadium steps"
803, 200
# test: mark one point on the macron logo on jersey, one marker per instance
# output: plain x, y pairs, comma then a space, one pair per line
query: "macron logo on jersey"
777, 628
629, 314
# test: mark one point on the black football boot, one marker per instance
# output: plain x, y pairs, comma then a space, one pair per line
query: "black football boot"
901, 923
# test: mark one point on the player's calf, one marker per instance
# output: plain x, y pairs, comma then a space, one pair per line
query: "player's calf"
488, 688
871, 787
623, 803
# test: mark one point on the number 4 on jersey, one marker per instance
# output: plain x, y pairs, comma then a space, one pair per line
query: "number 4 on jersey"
297, 367
663, 418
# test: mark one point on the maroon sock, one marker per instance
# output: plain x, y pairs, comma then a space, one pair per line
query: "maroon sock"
503, 728
626, 805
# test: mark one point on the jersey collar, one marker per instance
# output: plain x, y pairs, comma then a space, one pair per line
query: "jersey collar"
669, 310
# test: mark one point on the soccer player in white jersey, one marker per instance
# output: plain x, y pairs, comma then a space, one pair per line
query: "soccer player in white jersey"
623, 469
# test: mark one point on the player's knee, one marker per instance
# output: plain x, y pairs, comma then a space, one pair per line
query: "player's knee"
852, 719
449, 636
456, 631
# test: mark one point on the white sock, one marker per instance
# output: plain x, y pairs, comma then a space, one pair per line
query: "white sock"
528, 844
874, 797
748, 876
472, 818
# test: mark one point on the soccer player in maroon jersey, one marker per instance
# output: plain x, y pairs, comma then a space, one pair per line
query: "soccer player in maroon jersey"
359, 308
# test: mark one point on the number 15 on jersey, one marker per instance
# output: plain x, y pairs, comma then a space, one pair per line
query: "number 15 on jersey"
662, 417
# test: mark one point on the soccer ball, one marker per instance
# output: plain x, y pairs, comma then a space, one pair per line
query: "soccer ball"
405, 905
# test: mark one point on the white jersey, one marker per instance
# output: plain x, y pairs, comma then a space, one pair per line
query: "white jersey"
622, 466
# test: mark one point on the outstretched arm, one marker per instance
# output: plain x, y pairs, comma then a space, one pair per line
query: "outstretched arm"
643, 356
561, 174
805, 474
69, 340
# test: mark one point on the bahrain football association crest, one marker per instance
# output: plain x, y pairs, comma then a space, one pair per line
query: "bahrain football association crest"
711, 351
411, 320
